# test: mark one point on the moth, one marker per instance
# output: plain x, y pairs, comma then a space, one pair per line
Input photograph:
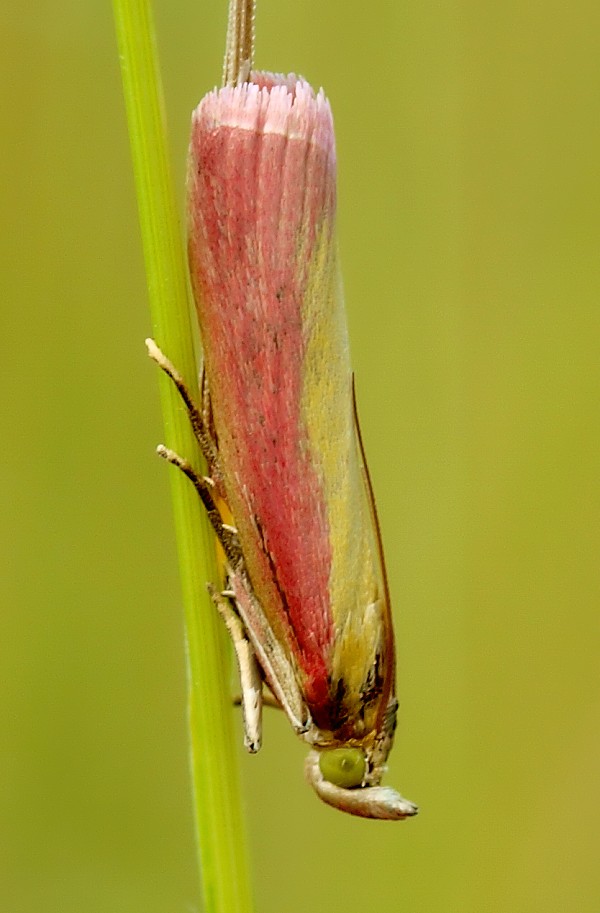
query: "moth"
288, 493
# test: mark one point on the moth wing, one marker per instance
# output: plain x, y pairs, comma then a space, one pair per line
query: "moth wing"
388, 690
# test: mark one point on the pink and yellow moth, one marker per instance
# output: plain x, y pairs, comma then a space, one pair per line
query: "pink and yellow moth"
288, 493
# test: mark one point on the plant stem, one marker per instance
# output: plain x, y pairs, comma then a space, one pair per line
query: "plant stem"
239, 47
217, 804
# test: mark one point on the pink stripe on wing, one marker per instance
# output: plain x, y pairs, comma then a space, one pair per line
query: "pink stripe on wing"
261, 189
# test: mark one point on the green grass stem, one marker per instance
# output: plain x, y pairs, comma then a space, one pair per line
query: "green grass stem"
217, 801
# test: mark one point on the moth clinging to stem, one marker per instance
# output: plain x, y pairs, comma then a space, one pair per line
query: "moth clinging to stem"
288, 493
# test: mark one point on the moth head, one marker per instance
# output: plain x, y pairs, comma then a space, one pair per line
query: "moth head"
338, 776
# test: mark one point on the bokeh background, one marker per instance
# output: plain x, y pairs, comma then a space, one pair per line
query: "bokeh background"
469, 142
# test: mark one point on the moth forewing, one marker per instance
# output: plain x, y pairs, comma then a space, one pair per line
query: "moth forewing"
278, 667
306, 598
388, 706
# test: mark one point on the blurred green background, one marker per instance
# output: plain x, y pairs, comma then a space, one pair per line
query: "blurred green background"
468, 141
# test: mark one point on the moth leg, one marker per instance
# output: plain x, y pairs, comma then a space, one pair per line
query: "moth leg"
268, 700
227, 535
199, 418
207, 414
250, 675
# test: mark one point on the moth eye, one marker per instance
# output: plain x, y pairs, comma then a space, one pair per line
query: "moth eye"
343, 767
